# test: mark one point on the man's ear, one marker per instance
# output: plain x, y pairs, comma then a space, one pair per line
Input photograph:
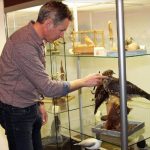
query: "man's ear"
49, 23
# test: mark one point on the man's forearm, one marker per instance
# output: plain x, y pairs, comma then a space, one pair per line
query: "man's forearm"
88, 81
76, 84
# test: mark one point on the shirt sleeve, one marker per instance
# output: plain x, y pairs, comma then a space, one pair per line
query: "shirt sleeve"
26, 58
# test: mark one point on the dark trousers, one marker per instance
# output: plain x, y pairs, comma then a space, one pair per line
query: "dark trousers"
22, 126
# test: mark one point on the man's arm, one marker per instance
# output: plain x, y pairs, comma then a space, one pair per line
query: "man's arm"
88, 81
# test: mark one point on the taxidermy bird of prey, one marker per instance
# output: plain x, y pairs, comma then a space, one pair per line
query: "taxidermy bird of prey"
111, 86
90, 143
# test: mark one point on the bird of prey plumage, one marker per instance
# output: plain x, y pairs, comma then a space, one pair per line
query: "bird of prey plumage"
90, 143
111, 86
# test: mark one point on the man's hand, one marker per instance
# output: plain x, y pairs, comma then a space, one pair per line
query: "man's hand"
92, 80
43, 113
88, 81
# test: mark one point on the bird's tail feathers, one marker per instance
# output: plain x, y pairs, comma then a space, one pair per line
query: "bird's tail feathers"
135, 90
145, 94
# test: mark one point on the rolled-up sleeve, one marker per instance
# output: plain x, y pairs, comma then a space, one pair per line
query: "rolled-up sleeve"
66, 87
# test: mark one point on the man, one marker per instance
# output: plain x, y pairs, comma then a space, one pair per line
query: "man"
23, 79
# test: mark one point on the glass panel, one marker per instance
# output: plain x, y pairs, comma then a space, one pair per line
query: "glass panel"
17, 19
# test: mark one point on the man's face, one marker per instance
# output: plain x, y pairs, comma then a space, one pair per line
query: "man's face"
55, 32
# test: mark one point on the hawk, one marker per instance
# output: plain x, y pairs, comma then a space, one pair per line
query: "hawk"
111, 86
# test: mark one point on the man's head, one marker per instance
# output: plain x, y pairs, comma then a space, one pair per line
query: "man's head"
57, 11
55, 17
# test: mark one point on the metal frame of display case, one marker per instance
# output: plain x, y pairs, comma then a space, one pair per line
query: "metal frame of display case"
122, 73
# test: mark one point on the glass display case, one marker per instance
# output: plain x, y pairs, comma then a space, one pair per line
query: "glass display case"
74, 114
81, 109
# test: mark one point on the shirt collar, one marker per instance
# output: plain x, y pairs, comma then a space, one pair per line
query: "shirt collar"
34, 33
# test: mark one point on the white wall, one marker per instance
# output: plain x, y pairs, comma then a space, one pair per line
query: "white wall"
2, 26
137, 23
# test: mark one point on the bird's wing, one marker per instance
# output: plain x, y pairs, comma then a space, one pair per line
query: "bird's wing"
113, 88
100, 96
95, 146
99, 88
90, 144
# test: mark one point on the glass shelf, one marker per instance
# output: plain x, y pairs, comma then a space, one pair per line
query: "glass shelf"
66, 109
77, 55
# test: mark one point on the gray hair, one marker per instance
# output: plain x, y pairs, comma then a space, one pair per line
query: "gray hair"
55, 10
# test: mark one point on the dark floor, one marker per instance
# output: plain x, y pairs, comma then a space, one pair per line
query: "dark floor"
67, 144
